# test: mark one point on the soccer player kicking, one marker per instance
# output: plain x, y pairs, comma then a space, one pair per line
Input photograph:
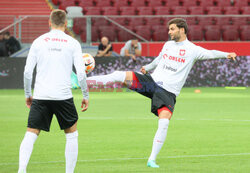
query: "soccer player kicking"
53, 54
171, 69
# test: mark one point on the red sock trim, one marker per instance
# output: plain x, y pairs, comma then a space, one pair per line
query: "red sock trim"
162, 109
135, 82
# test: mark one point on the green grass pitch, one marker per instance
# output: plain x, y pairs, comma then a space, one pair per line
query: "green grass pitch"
209, 132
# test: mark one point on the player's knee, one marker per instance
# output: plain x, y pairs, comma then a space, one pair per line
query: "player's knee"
165, 115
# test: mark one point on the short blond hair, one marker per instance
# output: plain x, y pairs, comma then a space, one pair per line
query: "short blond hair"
58, 18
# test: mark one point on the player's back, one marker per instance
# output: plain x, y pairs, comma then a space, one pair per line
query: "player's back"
54, 56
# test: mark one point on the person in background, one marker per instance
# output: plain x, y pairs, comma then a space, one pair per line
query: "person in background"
132, 48
12, 44
105, 48
3, 51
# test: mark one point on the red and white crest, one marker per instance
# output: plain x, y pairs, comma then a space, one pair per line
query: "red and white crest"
182, 52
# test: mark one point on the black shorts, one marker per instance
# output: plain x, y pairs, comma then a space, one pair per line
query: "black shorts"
145, 85
41, 113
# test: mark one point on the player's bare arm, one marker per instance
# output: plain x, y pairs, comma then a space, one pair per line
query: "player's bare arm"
232, 56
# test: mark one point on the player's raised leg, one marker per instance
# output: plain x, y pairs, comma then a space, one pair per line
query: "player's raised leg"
26, 148
160, 136
71, 148
124, 77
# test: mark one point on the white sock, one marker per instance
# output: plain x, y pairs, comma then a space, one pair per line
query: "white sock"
116, 76
71, 151
25, 151
159, 138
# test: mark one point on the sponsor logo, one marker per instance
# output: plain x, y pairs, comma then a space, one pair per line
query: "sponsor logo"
169, 68
88, 64
55, 39
182, 52
173, 58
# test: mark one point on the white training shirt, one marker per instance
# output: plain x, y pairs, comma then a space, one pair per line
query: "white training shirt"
54, 54
175, 61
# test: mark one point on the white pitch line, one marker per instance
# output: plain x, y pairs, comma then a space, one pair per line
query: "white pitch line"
142, 158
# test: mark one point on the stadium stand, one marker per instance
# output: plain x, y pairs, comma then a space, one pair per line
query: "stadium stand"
195, 33
212, 33
160, 33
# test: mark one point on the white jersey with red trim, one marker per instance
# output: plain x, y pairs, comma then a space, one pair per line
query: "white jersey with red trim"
175, 61
54, 54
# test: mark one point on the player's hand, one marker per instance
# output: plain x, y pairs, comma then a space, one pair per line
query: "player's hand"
85, 104
133, 58
109, 46
29, 101
232, 55
143, 70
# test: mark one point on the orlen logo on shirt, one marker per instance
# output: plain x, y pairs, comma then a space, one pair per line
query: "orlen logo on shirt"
173, 58
55, 39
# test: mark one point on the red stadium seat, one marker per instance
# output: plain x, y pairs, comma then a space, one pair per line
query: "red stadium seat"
191, 20
172, 3
239, 21
103, 3
99, 21
196, 10
138, 3
214, 10
206, 3
241, 3
166, 20
124, 35
195, 33
223, 21
231, 10
56, 2
65, 4
206, 20
107, 31
245, 33
212, 33
160, 33
145, 10
143, 31
224, 3
127, 10
79, 25
154, 3
110, 11
151, 21
179, 10
189, 3
230, 33
245, 10
122, 21
94, 35
137, 21
120, 3
162, 11
86, 3
92, 11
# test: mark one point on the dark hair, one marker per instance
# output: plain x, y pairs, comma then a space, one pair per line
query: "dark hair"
180, 23
7, 33
58, 17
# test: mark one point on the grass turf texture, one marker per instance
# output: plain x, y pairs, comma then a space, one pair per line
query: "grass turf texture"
209, 132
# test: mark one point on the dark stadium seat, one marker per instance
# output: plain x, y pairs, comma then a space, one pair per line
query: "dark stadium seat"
205, 20
127, 10
239, 20
160, 33
124, 35
107, 31
224, 3
154, 3
103, 3
241, 3
86, 3
162, 11
137, 21
214, 10
64, 4
151, 21
195, 33
231, 10
79, 25
196, 10
212, 32
145, 10
206, 3
223, 21
189, 3
230, 33
120, 3
136, 3
143, 31
110, 10
245, 10
245, 33
179, 10
92, 11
